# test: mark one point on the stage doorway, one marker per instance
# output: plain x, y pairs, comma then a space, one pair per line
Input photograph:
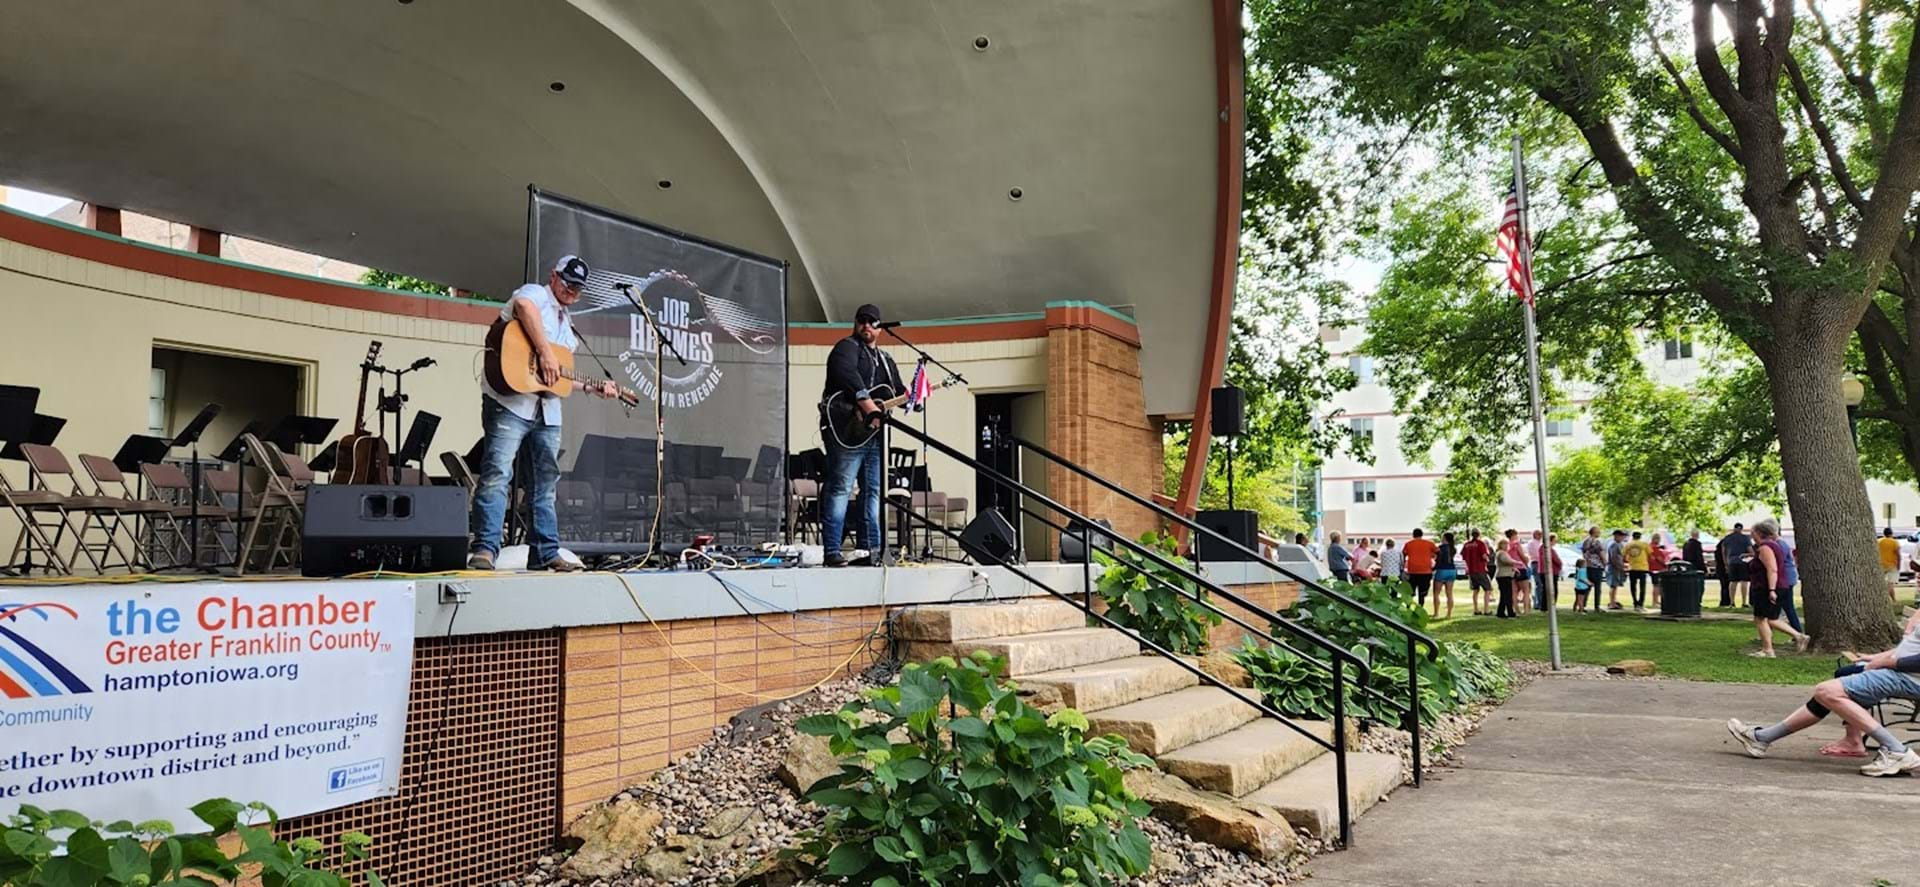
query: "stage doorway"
1023, 415
184, 379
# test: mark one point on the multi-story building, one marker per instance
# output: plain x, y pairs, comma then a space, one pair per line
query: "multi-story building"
1394, 494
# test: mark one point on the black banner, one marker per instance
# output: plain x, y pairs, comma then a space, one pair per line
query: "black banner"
725, 418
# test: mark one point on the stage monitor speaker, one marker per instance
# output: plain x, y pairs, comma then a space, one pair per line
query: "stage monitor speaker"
1228, 417
989, 538
1073, 546
1240, 525
353, 528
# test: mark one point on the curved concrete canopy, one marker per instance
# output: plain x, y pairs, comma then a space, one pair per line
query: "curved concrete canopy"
869, 143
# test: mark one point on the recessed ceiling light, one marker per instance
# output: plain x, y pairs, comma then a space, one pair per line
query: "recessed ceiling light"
663, 184
1015, 194
557, 86
981, 43
405, 2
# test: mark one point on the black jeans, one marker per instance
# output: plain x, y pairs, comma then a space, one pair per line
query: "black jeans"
1422, 583
1726, 590
1506, 596
1637, 584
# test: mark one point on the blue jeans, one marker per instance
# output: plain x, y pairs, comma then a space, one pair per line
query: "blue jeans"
843, 466
506, 433
1787, 610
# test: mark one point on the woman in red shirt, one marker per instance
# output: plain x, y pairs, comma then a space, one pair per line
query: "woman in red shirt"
1658, 555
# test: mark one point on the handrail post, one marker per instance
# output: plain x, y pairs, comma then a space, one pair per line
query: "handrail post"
1413, 710
1340, 753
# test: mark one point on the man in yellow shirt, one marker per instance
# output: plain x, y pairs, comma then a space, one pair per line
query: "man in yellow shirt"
1890, 561
1635, 553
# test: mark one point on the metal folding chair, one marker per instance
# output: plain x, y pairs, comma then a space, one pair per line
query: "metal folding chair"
146, 518
44, 463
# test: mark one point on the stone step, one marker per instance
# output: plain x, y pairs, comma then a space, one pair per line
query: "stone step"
1109, 684
1033, 653
1163, 723
961, 622
1307, 799
1248, 757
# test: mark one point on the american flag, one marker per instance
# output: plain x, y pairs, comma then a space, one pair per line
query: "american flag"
922, 387
1517, 247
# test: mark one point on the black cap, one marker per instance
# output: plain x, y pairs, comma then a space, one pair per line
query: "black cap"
572, 270
868, 312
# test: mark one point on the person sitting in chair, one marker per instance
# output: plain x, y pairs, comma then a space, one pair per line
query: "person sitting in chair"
1870, 680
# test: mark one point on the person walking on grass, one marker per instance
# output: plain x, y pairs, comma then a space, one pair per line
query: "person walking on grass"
1445, 572
1552, 569
1339, 559
1769, 573
1393, 563
1522, 577
1866, 681
1693, 552
1593, 565
1504, 564
1890, 562
1635, 554
1616, 568
1658, 556
1732, 553
1477, 555
1537, 573
1419, 554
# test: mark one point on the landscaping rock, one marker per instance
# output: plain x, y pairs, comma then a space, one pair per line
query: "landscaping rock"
1639, 668
1214, 818
806, 762
775, 871
1044, 697
611, 837
673, 861
730, 823
1221, 665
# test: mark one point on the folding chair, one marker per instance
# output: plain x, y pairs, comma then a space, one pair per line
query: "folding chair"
279, 501
172, 485
28, 506
803, 509
44, 463
458, 470
143, 513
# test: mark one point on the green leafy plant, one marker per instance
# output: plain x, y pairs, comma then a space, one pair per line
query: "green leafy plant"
1482, 675
1141, 597
1292, 686
949, 778
62, 848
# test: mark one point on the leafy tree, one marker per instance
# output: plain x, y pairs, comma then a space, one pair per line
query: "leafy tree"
1471, 494
394, 280
1771, 196
1269, 492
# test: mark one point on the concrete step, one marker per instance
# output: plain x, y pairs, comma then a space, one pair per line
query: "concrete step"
1033, 653
1246, 758
1307, 799
1163, 723
1108, 684
961, 622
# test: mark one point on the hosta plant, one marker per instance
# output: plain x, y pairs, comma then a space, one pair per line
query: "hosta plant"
1141, 597
62, 848
949, 778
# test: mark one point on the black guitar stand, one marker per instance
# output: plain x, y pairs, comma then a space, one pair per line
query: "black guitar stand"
396, 404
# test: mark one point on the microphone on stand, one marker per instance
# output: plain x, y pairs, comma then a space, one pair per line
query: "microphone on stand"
888, 324
422, 363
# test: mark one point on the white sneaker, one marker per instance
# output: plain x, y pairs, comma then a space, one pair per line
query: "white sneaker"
1890, 764
1752, 745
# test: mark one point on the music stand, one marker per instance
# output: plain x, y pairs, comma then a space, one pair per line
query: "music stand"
292, 431
419, 439
328, 458
42, 431
16, 422
190, 437
237, 447
141, 449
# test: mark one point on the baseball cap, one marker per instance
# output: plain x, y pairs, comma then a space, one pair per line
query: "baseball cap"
868, 311
572, 269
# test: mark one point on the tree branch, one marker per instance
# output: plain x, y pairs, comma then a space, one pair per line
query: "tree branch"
1713, 72
1862, 85
1742, 447
1884, 218
1719, 135
1818, 123
1610, 263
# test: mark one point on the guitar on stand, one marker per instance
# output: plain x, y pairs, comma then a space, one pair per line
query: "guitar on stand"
361, 456
513, 367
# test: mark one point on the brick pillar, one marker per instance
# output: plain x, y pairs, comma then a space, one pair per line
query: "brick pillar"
104, 219
204, 241
1097, 415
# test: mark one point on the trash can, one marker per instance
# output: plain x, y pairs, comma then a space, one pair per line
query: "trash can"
1681, 586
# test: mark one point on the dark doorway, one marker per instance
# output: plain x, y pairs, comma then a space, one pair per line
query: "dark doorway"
993, 419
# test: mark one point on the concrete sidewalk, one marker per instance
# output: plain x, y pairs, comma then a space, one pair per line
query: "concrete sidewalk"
1637, 784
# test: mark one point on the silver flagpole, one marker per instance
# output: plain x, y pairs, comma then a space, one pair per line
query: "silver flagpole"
1523, 245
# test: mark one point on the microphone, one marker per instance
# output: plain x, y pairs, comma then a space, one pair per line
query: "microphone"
422, 363
888, 324
623, 286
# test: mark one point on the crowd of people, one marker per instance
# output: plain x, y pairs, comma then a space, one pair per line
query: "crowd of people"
1506, 576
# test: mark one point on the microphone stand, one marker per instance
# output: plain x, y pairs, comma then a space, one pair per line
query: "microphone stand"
659, 405
953, 375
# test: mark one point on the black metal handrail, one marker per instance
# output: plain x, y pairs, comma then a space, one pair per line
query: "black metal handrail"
1412, 636
1337, 656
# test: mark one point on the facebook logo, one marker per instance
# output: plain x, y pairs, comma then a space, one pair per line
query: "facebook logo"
352, 776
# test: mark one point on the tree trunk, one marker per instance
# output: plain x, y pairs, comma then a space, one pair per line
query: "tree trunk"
1844, 597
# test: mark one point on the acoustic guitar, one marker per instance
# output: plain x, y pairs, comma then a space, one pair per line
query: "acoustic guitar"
513, 367
842, 423
361, 457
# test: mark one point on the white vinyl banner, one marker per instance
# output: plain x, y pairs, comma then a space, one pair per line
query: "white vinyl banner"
138, 701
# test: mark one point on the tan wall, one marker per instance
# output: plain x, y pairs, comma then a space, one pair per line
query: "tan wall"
1096, 416
84, 333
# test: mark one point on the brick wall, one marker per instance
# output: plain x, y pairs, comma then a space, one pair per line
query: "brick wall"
631, 702
1097, 417
1274, 596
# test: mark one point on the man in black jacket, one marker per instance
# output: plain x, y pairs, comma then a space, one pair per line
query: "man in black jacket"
854, 370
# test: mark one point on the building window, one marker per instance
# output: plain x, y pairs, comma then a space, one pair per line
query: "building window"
1366, 491
1559, 427
1362, 367
1679, 349
157, 402
1361, 429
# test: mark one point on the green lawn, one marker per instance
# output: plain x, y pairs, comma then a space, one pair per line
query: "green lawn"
1704, 650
